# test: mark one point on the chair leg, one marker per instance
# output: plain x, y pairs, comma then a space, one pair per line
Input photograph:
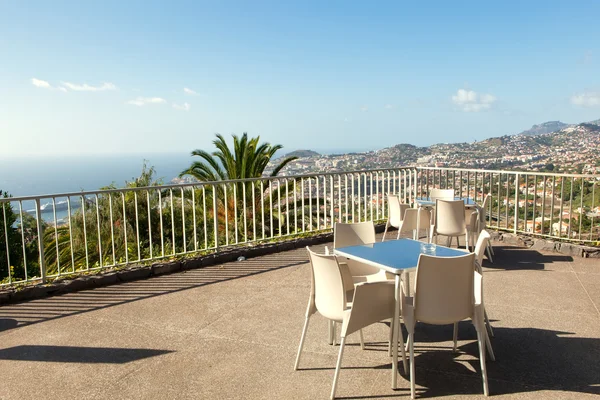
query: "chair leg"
488, 326
337, 368
480, 339
489, 252
362, 339
455, 336
333, 331
391, 337
403, 351
301, 343
412, 364
449, 241
488, 344
387, 224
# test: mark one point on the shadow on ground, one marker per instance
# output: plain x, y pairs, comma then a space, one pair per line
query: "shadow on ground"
73, 354
518, 258
527, 360
35, 311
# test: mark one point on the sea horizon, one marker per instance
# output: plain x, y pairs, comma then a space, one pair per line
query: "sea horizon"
35, 175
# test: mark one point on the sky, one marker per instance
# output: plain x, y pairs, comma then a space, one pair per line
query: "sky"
144, 77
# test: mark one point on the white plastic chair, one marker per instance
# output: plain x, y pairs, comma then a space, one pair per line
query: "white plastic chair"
354, 234
395, 214
372, 302
479, 250
450, 220
475, 225
447, 290
482, 222
480, 247
472, 224
414, 216
443, 194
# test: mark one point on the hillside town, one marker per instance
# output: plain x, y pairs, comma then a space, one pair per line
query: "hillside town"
573, 149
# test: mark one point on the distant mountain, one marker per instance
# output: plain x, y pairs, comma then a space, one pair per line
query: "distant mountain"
595, 122
302, 153
546, 127
593, 126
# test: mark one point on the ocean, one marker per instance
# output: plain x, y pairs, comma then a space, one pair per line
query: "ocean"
47, 175
30, 176
52, 174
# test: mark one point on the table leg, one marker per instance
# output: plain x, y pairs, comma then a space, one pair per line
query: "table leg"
416, 231
406, 279
395, 330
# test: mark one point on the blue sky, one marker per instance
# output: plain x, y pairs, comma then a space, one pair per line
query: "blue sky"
111, 76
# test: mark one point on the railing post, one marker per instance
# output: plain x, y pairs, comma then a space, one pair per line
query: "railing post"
516, 203
40, 231
416, 184
216, 219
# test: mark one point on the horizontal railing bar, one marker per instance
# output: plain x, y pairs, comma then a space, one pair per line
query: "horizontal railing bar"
192, 184
512, 172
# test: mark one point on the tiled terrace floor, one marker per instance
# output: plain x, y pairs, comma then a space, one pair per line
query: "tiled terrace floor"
231, 332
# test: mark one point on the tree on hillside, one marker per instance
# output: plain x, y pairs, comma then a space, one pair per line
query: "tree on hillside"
247, 158
15, 232
115, 227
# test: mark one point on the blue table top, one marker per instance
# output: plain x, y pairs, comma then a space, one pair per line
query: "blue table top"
426, 201
394, 256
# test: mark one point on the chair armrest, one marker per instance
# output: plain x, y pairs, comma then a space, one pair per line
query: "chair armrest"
478, 288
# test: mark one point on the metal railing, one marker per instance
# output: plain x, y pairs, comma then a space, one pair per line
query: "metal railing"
44, 237
557, 206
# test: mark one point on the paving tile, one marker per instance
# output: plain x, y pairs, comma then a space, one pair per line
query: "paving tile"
71, 356
586, 265
542, 289
591, 283
218, 369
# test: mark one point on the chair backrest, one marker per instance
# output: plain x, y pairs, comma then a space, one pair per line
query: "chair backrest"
444, 194
444, 289
482, 241
353, 234
485, 207
411, 215
450, 217
471, 218
328, 285
395, 210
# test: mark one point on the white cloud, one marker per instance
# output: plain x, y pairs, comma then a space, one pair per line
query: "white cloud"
364, 109
388, 106
470, 101
184, 106
142, 101
40, 83
588, 99
189, 91
89, 88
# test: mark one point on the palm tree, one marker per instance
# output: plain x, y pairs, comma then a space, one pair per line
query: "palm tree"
248, 158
